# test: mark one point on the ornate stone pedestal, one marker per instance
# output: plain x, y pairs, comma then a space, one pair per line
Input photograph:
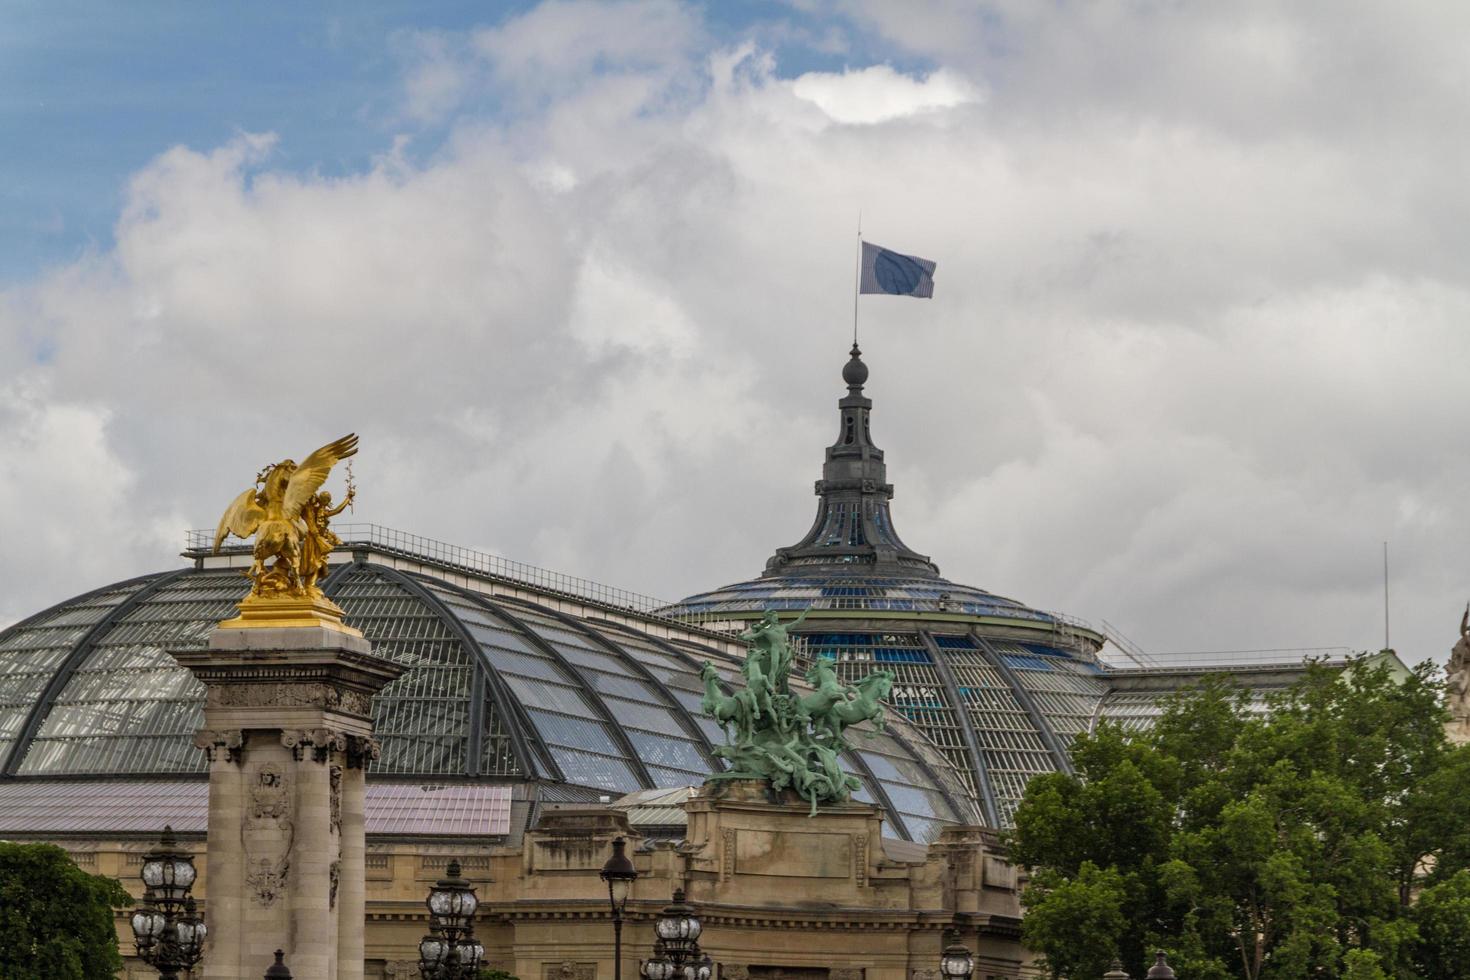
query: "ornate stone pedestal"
288, 732
750, 843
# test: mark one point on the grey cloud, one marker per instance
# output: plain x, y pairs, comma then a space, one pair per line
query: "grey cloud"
1184, 369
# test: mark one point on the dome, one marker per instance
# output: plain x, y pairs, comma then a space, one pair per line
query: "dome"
506, 682
999, 687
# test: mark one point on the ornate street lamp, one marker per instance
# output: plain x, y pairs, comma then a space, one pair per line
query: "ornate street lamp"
701, 968
659, 967
676, 952
619, 874
169, 933
450, 951
956, 963
1116, 971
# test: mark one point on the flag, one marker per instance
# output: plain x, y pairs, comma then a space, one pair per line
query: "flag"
885, 271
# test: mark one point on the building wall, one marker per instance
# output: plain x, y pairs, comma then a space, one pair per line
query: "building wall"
781, 895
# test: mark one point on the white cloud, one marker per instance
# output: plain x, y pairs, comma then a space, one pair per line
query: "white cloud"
1193, 352
878, 93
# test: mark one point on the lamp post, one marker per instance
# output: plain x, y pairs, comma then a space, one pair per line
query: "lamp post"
450, 951
167, 930
956, 963
619, 874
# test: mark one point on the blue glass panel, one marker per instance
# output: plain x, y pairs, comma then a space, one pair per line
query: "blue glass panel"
602, 772
910, 799
673, 778
573, 732
525, 665
553, 696
1026, 662
642, 714
670, 752
614, 684
882, 767
923, 831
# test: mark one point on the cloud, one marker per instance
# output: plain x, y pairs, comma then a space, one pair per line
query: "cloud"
878, 93
1192, 355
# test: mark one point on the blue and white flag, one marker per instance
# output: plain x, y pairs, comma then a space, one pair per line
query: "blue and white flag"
889, 272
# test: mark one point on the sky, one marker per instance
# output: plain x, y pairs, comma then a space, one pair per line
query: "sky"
580, 275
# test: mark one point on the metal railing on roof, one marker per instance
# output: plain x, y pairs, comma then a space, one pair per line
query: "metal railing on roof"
200, 542
1205, 659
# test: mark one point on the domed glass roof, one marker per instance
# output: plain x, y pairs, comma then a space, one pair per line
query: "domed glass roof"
999, 687
498, 688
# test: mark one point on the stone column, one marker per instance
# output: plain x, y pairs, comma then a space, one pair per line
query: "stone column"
288, 727
351, 888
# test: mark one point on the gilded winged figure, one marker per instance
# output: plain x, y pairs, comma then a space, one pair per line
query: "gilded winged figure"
288, 515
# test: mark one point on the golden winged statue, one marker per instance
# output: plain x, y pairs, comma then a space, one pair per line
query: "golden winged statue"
288, 514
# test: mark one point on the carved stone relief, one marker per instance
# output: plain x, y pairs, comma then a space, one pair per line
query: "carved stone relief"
846, 973
734, 971
267, 880
284, 694
334, 874
268, 832
401, 970
335, 802
567, 970
728, 856
268, 793
321, 742
225, 744
362, 749
860, 858
925, 975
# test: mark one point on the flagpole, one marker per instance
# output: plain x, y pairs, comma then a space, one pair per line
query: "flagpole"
857, 277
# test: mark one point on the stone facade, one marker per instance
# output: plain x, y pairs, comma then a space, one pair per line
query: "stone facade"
782, 897
288, 733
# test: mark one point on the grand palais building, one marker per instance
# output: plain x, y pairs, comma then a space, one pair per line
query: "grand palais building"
539, 716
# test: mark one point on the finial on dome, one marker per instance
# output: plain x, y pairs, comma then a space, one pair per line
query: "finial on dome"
855, 372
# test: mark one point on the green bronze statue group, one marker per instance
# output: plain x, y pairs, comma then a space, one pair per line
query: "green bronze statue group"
791, 740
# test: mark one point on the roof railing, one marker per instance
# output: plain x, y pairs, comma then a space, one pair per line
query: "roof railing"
1205, 659
199, 543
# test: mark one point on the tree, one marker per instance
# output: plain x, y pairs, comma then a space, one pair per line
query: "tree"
56, 920
1442, 920
1288, 844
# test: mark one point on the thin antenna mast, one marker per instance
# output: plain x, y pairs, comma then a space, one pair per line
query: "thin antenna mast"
1386, 644
857, 277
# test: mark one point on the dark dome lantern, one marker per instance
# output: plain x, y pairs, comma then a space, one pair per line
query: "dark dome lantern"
853, 532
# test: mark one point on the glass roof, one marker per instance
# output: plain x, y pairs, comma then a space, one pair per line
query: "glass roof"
496, 689
823, 590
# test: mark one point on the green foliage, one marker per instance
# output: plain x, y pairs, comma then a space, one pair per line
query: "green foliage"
55, 919
1442, 918
1263, 847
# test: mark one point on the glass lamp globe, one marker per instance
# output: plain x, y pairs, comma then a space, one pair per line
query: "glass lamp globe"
433, 951
660, 967
957, 963
677, 925
148, 924
190, 931
700, 969
619, 874
452, 902
471, 952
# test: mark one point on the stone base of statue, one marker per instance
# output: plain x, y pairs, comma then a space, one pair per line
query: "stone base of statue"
744, 841
285, 612
288, 732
